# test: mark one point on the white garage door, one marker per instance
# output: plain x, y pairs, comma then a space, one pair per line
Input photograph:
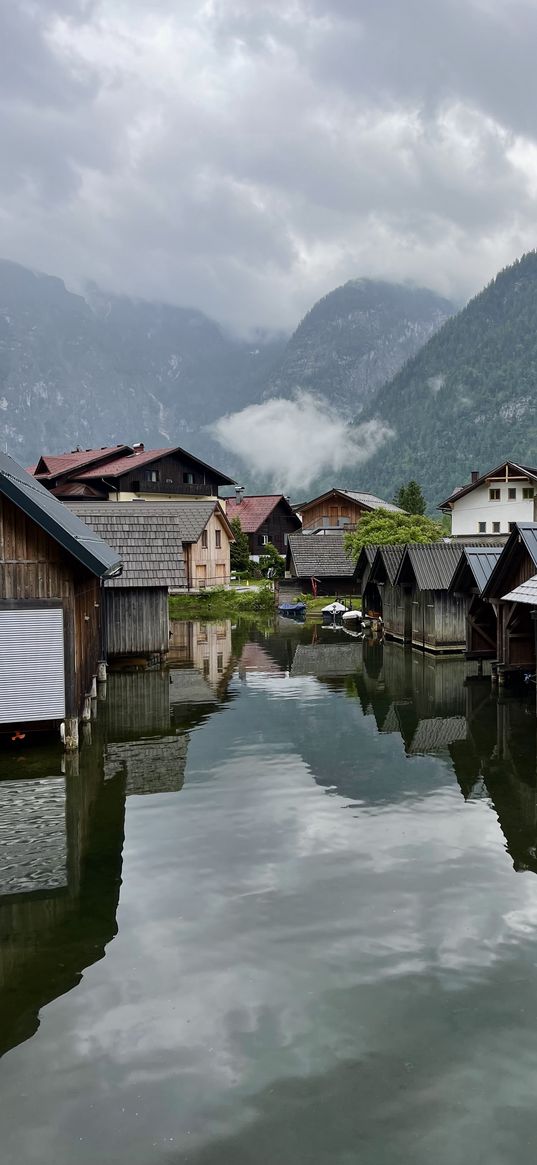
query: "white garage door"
32, 681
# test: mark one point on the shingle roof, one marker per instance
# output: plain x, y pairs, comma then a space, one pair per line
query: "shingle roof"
480, 560
320, 556
525, 593
48, 513
253, 511
149, 537
433, 564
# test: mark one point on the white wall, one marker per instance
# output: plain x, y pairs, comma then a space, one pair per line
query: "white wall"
476, 507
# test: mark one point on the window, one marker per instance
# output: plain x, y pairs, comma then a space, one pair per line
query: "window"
495, 527
204, 540
494, 495
152, 474
262, 539
511, 526
511, 494
188, 479
218, 539
482, 527
528, 492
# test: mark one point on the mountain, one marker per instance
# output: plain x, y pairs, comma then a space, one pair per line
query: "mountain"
468, 399
103, 369
99, 369
355, 339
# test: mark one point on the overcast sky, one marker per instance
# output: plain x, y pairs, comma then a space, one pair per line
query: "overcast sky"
246, 156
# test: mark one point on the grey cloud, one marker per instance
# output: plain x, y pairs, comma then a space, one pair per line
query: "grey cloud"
246, 158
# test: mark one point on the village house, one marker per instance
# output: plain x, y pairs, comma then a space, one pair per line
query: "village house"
123, 473
512, 591
164, 546
264, 518
340, 509
52, 571
469, 580
320, 564
492, 503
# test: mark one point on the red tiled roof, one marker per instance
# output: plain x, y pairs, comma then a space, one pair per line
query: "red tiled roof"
124, 464
252, 511
63, 462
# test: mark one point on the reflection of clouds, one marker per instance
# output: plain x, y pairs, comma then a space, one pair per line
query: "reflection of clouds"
267, 930
284, 687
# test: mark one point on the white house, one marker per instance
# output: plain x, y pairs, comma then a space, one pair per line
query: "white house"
493, 502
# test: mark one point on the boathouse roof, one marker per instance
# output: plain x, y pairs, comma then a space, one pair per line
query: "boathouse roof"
432, 564
525, 593
523, 537
87, 547
320, 555
475, 567
386, 563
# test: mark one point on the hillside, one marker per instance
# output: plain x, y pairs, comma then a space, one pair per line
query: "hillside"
102, 369
355, 339
468, 399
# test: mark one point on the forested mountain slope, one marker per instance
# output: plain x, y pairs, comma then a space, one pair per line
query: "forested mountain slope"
468, 399
356, 338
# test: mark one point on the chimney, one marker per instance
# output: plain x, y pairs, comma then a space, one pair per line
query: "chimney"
474, 476
239, 490
138, 446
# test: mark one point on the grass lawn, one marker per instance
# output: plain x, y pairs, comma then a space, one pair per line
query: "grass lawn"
222, 604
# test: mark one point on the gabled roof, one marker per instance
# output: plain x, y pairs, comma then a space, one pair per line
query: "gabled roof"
320, 555
466, 489
524, 535
525, 593
120, 465
48, 513
56, 464
433, 564
367, 501
386, 563
365, 559
150, 536
476, 564
253, 511
111, 461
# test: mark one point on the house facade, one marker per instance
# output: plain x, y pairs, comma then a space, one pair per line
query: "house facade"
492, 503
264, 518
340, 509
123, 473
51, 575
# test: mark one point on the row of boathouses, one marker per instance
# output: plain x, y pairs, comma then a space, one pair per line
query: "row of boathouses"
449, 597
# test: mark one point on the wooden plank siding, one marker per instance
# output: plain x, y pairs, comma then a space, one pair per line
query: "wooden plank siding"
136, 621
33, 569
330, 512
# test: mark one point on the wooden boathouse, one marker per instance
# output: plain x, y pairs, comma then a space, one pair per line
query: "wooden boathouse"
434, 618
389, 596
51, 574
471, 576
512, 591
321, 564
364, 563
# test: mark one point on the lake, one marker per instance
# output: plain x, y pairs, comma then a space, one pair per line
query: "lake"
281, 909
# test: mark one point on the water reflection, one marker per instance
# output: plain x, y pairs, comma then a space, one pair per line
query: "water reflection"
318, 933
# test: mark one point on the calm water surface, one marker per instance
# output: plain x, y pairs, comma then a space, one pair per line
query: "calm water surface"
283, 910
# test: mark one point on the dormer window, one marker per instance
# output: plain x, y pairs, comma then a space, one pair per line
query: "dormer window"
494, 495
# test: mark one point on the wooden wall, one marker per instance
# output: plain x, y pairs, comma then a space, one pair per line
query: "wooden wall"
214, 564
34, 567
137, 620
278, 524
333, 509
171, 471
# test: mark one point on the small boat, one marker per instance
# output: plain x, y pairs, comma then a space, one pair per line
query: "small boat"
296, 611
351, 616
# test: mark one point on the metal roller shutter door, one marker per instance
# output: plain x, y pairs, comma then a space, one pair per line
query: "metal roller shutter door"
32, 678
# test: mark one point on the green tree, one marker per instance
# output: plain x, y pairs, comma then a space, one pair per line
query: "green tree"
410, 498
271, 559
240, 549
384, 528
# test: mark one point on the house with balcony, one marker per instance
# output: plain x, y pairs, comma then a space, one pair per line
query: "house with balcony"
340, 509
492, 503
123, 473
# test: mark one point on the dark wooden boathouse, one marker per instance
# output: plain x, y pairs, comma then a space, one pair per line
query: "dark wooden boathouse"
434, 618
51, 571
469, 580
511, 591
391, 596
364, 562
321, 564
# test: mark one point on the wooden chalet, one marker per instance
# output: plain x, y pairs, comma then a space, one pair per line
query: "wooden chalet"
319, 562
164, 546
51, 575
470, 577
340, 509
383, 596
125, 472
434, 619
264, 518
512, 591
